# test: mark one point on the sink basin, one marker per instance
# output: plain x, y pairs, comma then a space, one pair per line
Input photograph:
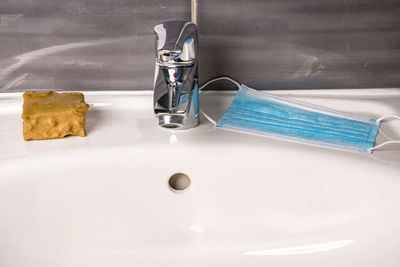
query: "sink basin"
106, 200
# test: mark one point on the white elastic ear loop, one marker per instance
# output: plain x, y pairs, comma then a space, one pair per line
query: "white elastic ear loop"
390, 141
207, 117
221, 78
383, 133
387, 117
211, 81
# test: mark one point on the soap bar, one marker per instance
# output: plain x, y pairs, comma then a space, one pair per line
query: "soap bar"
48, 115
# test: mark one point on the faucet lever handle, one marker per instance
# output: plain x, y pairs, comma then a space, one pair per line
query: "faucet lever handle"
176, 41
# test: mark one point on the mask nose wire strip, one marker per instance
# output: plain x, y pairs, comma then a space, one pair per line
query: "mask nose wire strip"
390, 141
211, 81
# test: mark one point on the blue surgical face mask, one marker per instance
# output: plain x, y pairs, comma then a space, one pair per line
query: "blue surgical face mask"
260, 113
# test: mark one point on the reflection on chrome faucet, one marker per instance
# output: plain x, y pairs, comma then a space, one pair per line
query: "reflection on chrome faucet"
176, 91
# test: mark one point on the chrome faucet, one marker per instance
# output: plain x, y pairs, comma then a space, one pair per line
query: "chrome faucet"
176, 89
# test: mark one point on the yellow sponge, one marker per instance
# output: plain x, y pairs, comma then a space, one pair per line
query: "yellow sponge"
48, 115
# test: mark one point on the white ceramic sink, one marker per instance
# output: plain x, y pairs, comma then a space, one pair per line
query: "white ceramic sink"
104, 200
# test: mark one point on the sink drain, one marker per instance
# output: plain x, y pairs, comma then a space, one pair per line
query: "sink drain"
179, 182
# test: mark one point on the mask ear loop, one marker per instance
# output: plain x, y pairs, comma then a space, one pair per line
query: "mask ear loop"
383, 133
387, 142
211, 81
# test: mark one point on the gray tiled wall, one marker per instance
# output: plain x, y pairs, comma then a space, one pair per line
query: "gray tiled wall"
81, 44
302, 43
108, 44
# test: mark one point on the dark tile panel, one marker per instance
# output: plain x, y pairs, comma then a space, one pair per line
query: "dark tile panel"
286, 44
81, 44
